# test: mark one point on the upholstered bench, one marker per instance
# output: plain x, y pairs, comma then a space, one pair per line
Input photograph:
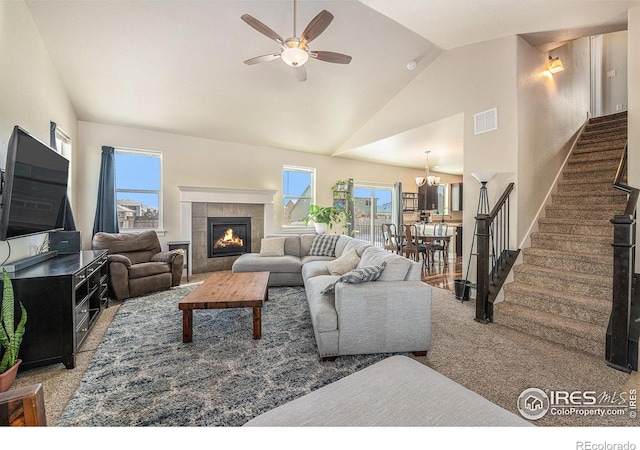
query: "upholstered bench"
397, 391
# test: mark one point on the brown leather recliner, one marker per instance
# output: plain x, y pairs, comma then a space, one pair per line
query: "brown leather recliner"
137, 265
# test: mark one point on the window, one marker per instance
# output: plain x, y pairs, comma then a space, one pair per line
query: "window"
63, 146
298, 193
138, 189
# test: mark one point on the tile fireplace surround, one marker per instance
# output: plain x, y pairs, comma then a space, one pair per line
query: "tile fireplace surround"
198, 203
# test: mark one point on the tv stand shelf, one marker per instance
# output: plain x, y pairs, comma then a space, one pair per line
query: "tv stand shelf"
64, 297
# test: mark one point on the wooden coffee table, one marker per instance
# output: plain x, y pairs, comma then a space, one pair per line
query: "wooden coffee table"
227, 290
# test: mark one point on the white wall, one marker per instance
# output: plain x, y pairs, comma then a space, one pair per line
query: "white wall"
614, 58
465, 80
195, 161
633, 169
551, 109
31, 95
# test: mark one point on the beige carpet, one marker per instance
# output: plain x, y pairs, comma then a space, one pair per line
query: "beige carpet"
492, 360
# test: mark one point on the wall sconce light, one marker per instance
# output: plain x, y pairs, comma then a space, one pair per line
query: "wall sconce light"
555, 65
430, 180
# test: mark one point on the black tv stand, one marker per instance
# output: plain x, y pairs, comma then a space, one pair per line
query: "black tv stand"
64, 297
30, 261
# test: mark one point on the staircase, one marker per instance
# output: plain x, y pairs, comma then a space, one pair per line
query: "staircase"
563, 290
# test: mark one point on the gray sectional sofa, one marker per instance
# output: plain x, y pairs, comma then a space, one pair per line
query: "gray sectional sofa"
389, 315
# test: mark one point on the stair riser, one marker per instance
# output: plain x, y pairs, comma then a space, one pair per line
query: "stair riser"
550, 306
582, 246
605, 155
597, 175
605, 187
580, 343
592, 166
573, 265
594, 291
603, 127
585, 213
587, 200
597, 144
576, 229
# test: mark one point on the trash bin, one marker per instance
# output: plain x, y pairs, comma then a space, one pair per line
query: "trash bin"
461, 289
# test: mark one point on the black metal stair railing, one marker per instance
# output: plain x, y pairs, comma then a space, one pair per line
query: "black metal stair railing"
622, 333
495, 258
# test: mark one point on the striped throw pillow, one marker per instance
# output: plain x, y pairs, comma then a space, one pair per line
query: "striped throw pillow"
324, 245
357, 276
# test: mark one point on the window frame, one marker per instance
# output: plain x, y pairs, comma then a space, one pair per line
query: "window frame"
312, 199
159, 229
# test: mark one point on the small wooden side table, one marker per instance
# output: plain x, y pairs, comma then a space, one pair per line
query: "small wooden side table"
184, 245
23, 407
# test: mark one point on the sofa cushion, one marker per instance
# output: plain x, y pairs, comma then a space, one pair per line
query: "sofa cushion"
357, 276
322, 306
272, 246
324, 245
148, 269
305, 243
344, 263
314, 268
253, 262
307, 259
396, 268
291, 243
346, 243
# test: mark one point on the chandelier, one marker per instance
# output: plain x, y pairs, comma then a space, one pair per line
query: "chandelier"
429, 180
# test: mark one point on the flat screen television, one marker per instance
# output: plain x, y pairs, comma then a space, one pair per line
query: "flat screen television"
34, 189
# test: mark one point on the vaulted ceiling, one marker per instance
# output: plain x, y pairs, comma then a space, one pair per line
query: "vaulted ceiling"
177, 66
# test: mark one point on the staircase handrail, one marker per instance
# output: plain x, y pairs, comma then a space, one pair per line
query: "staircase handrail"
632, 202
493, 243
619, 353
501, 201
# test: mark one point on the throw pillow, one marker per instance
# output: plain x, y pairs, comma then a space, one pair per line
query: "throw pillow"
357, 276
324, 245
272, 246
344, 264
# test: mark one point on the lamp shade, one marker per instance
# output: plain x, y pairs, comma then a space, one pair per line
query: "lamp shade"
483, 177
420, 181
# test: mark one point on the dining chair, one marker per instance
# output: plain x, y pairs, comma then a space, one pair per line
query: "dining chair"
411, 247
392, 241
439, 245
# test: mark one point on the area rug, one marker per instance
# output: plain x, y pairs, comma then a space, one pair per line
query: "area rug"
143, 375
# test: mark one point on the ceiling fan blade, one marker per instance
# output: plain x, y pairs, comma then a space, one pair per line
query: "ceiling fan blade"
262, 28
263, 58
300, 72
317, 25
331, 57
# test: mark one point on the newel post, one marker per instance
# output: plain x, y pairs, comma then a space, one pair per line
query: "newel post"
623, 248
484, 310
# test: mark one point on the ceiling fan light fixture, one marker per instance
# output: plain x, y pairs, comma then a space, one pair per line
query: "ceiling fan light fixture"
294, 56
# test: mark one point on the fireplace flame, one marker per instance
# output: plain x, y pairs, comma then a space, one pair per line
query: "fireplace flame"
228, 239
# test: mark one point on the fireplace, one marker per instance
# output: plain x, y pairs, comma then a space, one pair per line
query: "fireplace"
228, 236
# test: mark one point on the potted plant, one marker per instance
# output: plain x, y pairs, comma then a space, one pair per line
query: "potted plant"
323, 217
10, 337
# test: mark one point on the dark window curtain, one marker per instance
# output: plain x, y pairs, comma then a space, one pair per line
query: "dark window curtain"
397, 192
106, 210
65, 214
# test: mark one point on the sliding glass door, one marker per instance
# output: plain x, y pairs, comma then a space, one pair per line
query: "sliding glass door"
373, 206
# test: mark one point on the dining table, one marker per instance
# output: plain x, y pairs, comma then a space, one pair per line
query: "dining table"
426, 236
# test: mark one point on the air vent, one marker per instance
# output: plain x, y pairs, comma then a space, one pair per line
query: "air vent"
485, 121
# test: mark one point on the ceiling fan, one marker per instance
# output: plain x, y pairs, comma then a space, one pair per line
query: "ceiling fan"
295, 51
